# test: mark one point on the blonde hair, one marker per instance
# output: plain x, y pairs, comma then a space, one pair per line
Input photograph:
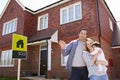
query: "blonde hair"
88, 40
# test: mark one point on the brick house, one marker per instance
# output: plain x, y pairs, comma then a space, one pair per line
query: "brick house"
61, 20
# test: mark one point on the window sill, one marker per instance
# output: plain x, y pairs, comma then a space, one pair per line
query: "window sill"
6, 65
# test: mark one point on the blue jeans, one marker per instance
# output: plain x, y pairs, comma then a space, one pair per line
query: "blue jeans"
102, 77
79, 74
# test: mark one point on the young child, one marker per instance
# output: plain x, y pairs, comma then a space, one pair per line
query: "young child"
98, 57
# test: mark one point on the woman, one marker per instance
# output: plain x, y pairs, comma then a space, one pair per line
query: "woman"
93, 70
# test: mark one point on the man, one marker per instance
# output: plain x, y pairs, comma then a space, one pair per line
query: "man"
75, 61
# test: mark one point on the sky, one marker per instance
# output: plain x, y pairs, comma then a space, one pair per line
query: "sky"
114, 5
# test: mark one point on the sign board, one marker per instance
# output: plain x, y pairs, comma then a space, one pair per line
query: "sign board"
19, 46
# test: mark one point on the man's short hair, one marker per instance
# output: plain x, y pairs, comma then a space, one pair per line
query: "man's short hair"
82, 29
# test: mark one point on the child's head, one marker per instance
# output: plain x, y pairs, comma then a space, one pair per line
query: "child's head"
96, 44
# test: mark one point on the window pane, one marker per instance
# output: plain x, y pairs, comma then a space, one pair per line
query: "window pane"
4, 29
10, 27
45, 22
2, 58
78, 14
71, 14
6, 58
64, 16
110, 24
41, 23
7, 29
15, 26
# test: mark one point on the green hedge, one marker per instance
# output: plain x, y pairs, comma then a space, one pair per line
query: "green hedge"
8, 78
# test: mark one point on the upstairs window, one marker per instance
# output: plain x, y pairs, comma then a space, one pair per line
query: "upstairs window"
43, 22
71, 13
10, 27
110, 24
6, 59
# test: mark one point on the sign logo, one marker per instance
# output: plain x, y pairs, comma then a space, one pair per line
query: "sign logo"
19, 46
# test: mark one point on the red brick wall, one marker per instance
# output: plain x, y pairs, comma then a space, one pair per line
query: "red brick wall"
13, 11
27, 25
116, 61
106, 36
57, 71
30, 24
31, 64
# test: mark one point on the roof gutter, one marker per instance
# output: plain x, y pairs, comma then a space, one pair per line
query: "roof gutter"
99, 26
47, 7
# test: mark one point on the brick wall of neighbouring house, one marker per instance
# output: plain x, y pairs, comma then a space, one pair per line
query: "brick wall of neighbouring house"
13, 11
6, 71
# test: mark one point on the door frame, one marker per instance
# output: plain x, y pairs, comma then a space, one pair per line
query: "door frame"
40, 49
48, 44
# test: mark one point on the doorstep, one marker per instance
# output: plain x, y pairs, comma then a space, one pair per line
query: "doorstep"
36, 78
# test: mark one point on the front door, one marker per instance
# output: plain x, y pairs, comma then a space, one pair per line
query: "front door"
43, 62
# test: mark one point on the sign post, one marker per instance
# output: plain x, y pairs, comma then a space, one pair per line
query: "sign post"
19, 50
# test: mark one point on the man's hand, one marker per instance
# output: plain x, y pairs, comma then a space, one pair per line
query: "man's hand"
62, 44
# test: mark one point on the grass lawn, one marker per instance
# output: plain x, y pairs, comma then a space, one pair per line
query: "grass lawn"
8, 78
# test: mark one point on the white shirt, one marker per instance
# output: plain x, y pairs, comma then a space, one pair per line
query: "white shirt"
78, 60
100, 57
93, 70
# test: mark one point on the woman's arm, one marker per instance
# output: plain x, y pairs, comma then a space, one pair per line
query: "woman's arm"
95, 57
102, 62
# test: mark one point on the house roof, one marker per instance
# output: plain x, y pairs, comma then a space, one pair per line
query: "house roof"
116, 37
109, 10
42, 35
47, 6
44, 8
37, 11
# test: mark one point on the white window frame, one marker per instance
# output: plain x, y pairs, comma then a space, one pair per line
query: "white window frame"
110, 24
74, 16
10, 27
64, 60
44, 27
4, 62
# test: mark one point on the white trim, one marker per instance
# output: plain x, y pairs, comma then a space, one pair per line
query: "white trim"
15, 20
40, 49
54, 5
49, 55
110, 24
20, 4
43, 16
24, 9
39, 61
6, 65
5, 8
6, 54
67, 8
54, 37
37, 42
115, 47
